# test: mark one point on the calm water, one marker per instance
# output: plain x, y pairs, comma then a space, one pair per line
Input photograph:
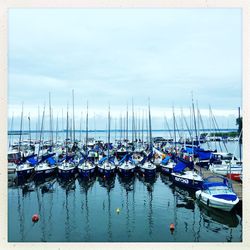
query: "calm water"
86, 211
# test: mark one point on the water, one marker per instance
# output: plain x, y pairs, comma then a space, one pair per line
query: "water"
86, 211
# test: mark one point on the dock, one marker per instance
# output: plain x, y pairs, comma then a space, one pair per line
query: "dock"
237, 186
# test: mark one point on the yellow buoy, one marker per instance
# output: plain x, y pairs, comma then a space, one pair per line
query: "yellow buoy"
118, 210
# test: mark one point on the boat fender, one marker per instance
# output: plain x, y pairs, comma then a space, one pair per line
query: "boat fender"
208, 202
199, 197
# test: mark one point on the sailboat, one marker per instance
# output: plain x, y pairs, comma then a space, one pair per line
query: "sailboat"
67, 166
86, 166
126, 165
188, 178
106, 165
147, 168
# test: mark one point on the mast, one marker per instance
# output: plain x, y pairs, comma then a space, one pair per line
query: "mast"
29, 130
56, 128
73, 115
133, 120
87, 121
21, 128
196, 135
11, 128
50, 122
108, 132
127, 126
149, 125
40, 140
80, 128
174, 129
142, 126
240, 131
67, 129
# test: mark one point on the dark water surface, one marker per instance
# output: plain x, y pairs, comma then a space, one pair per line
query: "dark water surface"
86, 211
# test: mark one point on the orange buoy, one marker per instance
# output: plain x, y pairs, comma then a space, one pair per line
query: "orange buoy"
35, 218
171, 227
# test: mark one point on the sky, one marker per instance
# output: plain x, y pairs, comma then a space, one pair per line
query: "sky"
111, 56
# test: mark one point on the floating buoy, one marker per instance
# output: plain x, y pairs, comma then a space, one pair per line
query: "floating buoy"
35, 218
118, 210
171, 227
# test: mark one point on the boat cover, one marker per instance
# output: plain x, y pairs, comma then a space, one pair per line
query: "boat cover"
166, 159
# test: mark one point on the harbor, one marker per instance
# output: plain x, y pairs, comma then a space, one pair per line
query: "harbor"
125, 125
124, 203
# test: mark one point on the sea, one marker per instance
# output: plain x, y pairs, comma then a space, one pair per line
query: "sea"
117, 210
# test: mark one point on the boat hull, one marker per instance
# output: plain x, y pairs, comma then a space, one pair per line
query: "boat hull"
66, 173
86, 172
210, 201
44, 173
126, 172
186, 182
148, 172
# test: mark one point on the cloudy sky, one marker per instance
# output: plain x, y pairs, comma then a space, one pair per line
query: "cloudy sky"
109, 56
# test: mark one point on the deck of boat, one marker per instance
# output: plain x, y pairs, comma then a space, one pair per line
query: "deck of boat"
237, 186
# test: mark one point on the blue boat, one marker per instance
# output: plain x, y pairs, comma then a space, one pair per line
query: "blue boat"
126, 166
188, 178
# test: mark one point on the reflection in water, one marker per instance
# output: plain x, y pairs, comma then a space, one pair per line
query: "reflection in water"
212, 215
149, 183
109, 184
145, 204
85, 185
128, 185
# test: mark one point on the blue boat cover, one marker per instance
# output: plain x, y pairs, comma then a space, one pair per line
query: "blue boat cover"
228, 197
179, 167
165, 160
189, 150
51, 161
204, 154
32, 161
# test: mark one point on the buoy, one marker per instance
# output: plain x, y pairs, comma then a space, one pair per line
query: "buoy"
35, 218
171, 227
118, 210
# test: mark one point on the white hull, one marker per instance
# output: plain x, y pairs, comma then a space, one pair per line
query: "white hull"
214, 202
225, 169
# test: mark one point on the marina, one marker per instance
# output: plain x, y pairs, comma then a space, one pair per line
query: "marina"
132, 208
125, 125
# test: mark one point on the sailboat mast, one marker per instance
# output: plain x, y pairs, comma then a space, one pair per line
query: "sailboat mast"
73, 115
40, 140
21, 128
195, 128
86, 140
67, 129
174, 129
29, 130
50, 121
127, 127
108, 132
149, 124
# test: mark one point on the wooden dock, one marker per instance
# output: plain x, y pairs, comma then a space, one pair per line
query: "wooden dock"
237, 186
